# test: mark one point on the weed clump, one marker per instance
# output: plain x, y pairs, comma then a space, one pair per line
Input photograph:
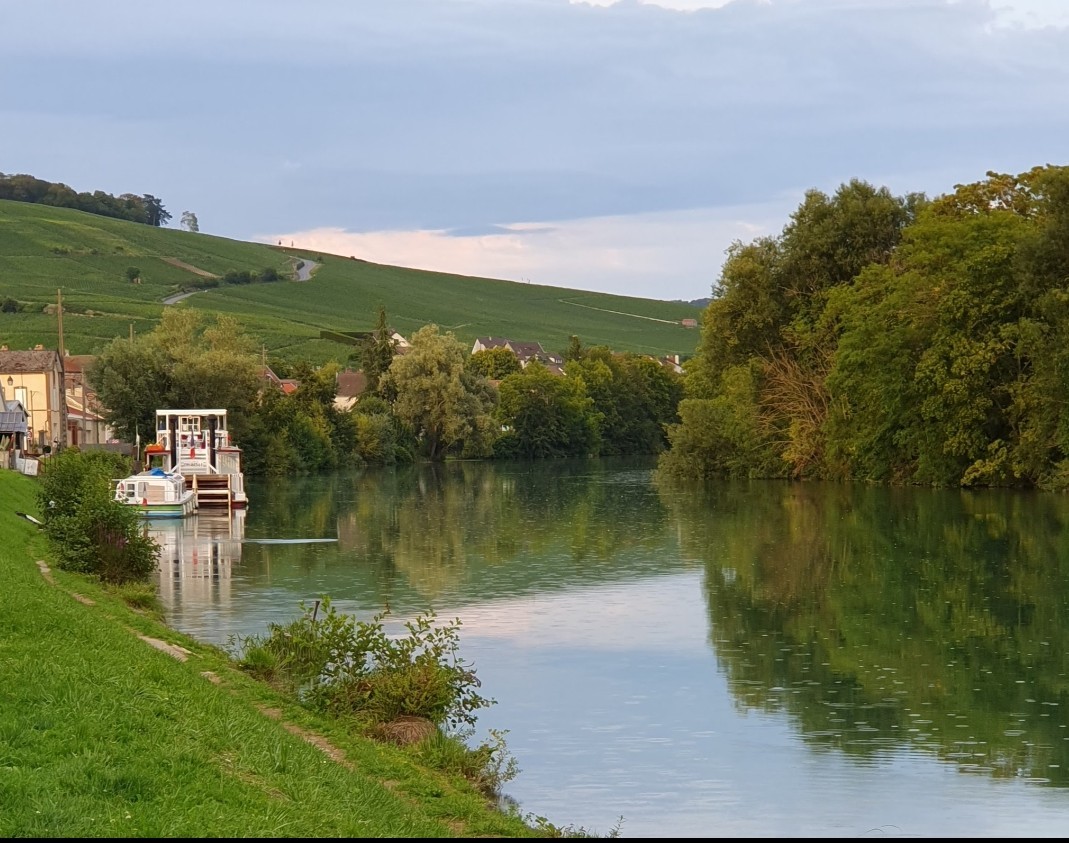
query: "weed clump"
412, 689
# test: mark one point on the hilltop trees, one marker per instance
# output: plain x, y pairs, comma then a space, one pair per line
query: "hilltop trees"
155, 213
25, 188
189, 221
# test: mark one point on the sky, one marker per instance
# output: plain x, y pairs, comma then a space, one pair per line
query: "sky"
611, 146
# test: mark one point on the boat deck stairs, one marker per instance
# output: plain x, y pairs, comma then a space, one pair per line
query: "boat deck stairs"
212, 490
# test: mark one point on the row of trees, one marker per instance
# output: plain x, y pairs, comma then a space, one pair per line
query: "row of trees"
433, 402
146, 208
892, 338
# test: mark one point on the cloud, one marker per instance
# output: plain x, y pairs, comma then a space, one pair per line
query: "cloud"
668, 255
467, 115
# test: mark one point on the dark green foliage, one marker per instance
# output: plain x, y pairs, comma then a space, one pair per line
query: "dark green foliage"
133, 273
545, 415
190, 360
89, 531
633, 398
25, 188
155, 213
266, 275
377, 355
575, 350
893, 340
353, 668
9, 305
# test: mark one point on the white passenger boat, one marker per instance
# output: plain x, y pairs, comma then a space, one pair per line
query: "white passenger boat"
196, 445
156, 494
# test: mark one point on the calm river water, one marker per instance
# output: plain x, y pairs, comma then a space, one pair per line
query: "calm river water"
742, 659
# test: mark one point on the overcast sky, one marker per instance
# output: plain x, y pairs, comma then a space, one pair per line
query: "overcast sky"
618, 147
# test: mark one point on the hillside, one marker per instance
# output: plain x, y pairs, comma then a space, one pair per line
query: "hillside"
45, 249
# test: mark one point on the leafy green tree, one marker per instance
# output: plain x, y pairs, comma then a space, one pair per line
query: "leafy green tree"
9, 305
379, 353
189, 360
769, 317
545, 415
633, 396
133, 274
494, 363
447, 408
949, 356
133, 378
575, 350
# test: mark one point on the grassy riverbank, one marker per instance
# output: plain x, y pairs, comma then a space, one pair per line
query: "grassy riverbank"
113, 725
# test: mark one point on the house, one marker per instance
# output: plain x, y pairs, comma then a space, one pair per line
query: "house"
268, 374
350, 386
35, 379
671, 361
14, 424
689, 323
525, 352
86, 424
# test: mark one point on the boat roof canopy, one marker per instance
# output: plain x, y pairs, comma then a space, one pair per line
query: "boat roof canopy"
190, 413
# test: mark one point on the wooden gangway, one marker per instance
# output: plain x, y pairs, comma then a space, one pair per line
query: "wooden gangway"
212, 490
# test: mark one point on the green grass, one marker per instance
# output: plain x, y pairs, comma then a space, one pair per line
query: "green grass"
45, 249
102, 735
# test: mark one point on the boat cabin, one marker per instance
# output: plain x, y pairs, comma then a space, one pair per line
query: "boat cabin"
197, 445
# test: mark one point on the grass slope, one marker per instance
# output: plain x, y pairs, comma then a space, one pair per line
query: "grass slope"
45, 249
104, 735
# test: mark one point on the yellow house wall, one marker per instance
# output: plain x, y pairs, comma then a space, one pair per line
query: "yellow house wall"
42, 403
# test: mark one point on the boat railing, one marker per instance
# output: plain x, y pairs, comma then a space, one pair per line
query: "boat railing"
200, 440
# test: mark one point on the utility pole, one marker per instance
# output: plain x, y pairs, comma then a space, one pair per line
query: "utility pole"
59, 314
61, 439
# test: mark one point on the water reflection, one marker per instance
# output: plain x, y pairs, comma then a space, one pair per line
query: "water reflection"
887, 619
757, 658
197, 557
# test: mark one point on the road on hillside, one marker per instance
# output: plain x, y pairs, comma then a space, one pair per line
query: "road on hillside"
305, 268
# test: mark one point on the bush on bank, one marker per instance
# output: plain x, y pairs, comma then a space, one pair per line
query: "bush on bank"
89, 531
354, 671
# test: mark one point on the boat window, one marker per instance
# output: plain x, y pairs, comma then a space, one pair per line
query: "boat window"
130, 490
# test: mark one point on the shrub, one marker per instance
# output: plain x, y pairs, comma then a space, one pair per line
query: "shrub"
89, 531
353, 668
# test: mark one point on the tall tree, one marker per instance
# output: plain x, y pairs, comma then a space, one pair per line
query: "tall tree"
189, 360
768, 336
189, 221
378, 354
155, 213
445, 407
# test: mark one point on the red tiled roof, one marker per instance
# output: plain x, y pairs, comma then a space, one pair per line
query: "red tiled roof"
38, 360
351, 384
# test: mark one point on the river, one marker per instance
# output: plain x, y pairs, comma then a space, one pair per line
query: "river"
743, 659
